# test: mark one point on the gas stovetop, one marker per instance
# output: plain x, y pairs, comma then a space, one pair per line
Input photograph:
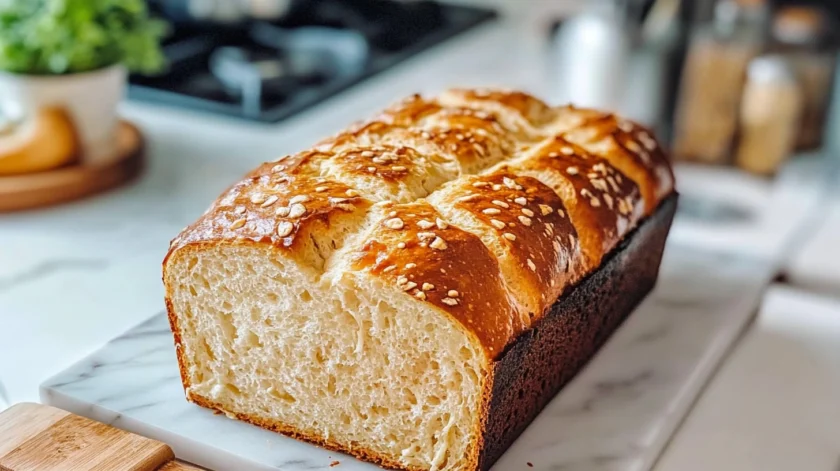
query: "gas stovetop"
269, 71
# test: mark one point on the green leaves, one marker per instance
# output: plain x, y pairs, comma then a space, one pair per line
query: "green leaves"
69, 36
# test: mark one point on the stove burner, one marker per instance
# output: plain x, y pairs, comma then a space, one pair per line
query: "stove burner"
268, 71
292, 59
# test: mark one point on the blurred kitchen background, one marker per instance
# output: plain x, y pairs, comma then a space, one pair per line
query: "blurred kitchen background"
742, 91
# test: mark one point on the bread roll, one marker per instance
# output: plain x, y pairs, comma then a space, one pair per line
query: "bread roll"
382, 293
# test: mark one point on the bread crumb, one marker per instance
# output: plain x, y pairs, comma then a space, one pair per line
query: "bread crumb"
530, 465
334, 464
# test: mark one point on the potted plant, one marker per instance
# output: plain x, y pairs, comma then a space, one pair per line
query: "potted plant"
75, 54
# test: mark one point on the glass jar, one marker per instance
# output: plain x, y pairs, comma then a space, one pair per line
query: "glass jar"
802, 35
769, 116
713, 80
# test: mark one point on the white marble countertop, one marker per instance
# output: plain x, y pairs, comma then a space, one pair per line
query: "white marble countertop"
775, 404
815, 264
75, 276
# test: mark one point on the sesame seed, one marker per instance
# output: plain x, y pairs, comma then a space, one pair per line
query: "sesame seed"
468, 198
410, 285
441, 224
394, 223
491, 211
426, 236
572, 170
278, 168
389, 268
401, 245
438, 244
600, 184
553, 155
556, 245
367, 154
238, 223
284, 228
268, 202
392, 214
509, 182
566, 150
425, 135
409, 266
299, 199
428, 286
297, 210
531, 265
449, 301
527, 212
320, 189
401, 280
453, 147
337, 200
420, 295
459, 136
351, 193
398, 168
525, 220
282, 211
633, 146
595, 202
521, 201
625, 126
346, 207
371, 169
609, 200
545, 209
239, 210
379, 160
480, 184
509, 236
424, 224
501, 204
561, 213
497, 224
258, 198
624, 207
612, 182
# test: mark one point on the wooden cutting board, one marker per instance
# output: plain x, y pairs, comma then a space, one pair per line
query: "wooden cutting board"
35, 437
39, 189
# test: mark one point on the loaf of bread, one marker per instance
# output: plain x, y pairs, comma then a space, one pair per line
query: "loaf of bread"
398, 292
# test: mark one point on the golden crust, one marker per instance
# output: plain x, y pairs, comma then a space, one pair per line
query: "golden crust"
529, 221
632, 149
415, 250
603, 203
273, 208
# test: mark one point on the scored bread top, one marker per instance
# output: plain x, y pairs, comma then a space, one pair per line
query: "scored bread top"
484, 204
413, 248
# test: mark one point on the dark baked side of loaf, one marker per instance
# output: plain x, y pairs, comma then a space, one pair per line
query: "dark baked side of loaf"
546, 357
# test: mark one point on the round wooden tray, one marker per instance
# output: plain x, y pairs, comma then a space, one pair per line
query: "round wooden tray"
51, 187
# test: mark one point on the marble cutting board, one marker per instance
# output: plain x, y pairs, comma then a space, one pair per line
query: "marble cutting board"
617, 414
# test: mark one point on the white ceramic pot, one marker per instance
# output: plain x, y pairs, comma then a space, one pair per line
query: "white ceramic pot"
91, 98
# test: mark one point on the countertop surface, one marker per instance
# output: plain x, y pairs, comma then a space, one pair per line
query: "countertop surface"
775, 404
75, 276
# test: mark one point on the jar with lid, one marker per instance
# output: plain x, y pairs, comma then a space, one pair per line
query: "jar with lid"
803, 35
770, 114
716, 64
